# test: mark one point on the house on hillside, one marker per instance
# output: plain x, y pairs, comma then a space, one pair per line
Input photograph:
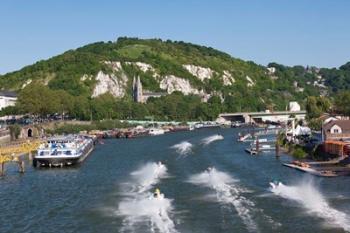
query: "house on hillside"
7, 98
336, 130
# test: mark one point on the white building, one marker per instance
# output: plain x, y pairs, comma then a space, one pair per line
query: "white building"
294, 106
7, 98
271, 70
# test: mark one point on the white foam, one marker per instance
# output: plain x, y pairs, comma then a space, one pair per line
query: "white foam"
183, 148
148, 175
227, 192
145, 209
213, 138
313, 201
139, 207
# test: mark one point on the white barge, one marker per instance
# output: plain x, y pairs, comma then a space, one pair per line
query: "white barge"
63, 151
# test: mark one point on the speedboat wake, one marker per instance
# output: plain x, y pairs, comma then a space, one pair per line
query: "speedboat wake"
228, 192
213, 138
313, 201
143, 211
183, 148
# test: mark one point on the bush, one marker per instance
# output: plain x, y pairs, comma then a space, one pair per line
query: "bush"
70, 129
299, 153
109, 124
15, 131
97, 125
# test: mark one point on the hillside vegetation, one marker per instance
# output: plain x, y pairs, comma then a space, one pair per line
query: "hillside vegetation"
95, 80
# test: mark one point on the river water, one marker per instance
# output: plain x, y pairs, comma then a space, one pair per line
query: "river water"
209, 185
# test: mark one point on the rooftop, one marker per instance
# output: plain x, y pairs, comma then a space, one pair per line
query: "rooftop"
343, 124
8, 93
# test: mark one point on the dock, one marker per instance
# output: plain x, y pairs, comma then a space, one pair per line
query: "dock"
13, 152
325, 172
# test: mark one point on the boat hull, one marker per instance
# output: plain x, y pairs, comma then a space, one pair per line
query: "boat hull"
63, 161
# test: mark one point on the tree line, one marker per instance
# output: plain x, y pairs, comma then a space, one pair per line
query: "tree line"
40, 101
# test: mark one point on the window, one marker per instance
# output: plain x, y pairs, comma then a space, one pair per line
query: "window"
336, 131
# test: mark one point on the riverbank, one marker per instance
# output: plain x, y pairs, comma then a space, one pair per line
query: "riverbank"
307, 158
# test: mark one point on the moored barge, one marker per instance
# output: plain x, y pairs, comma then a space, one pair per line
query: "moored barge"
63, 151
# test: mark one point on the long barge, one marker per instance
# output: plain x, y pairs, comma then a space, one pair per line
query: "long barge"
63, 151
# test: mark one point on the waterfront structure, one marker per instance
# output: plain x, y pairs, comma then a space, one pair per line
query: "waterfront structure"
5, 136
7, 98
339, 148
336, 130
141, 96
65, 150
256, 117
266, 116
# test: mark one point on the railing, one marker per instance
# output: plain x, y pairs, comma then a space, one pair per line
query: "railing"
337, 135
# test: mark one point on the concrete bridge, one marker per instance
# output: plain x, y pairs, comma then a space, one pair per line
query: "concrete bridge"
258, 117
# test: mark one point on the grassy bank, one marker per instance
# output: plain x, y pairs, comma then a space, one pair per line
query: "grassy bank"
71, 128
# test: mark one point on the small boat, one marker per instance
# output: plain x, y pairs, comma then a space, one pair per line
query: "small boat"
244, 138
155, 131
156, 193
251, 151
265, 147
236, 124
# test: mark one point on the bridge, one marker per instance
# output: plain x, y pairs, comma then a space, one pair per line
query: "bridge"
258, 117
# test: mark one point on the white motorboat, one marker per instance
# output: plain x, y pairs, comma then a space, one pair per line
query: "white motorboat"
156, 131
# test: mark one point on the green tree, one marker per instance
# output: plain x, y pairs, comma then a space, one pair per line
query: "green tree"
38, 99
342, 103
103, 107
315, 106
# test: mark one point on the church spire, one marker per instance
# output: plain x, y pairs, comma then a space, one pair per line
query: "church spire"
137, 90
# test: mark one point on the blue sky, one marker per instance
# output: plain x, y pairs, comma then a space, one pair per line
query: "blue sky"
306, 32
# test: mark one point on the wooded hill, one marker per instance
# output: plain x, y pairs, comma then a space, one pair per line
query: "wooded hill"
105, 70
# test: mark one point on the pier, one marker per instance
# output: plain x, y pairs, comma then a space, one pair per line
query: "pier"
13, 153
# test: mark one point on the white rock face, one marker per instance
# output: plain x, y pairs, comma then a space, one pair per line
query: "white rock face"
115, 65
171, 83
200, 72
110, 83
144, 67
29, 81
227, 78
85, 77
250, 81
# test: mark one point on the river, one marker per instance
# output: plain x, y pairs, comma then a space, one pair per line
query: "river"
209, 185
